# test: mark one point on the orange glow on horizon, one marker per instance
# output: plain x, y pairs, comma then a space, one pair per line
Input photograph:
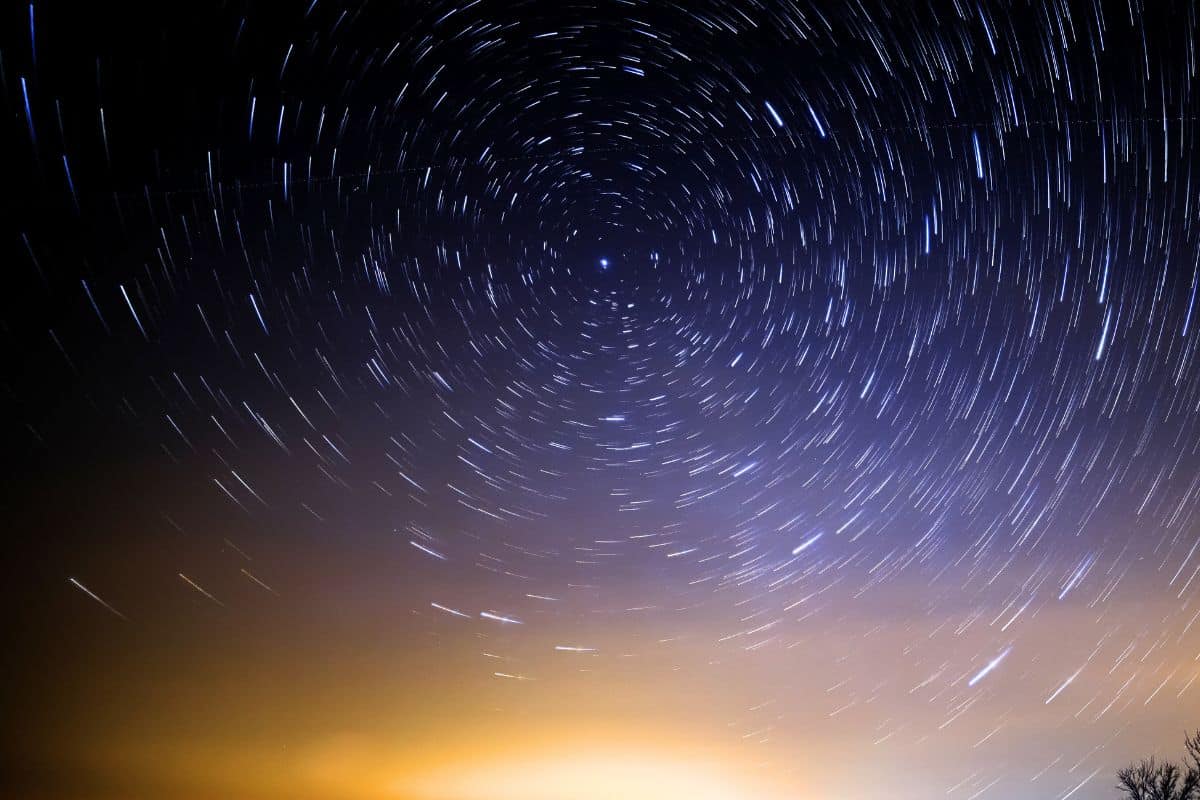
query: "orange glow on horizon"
592, 774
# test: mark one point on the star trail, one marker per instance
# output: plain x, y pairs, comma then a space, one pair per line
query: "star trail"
625, 398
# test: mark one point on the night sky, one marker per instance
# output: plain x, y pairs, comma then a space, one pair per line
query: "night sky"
521, 400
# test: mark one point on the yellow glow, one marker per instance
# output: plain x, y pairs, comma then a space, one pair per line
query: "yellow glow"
599, 775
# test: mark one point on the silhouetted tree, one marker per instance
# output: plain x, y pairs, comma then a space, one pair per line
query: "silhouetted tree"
1150, 779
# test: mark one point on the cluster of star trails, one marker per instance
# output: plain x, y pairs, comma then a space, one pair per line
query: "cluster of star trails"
740, 320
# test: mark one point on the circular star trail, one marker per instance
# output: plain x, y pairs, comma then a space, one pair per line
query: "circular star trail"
826, 371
